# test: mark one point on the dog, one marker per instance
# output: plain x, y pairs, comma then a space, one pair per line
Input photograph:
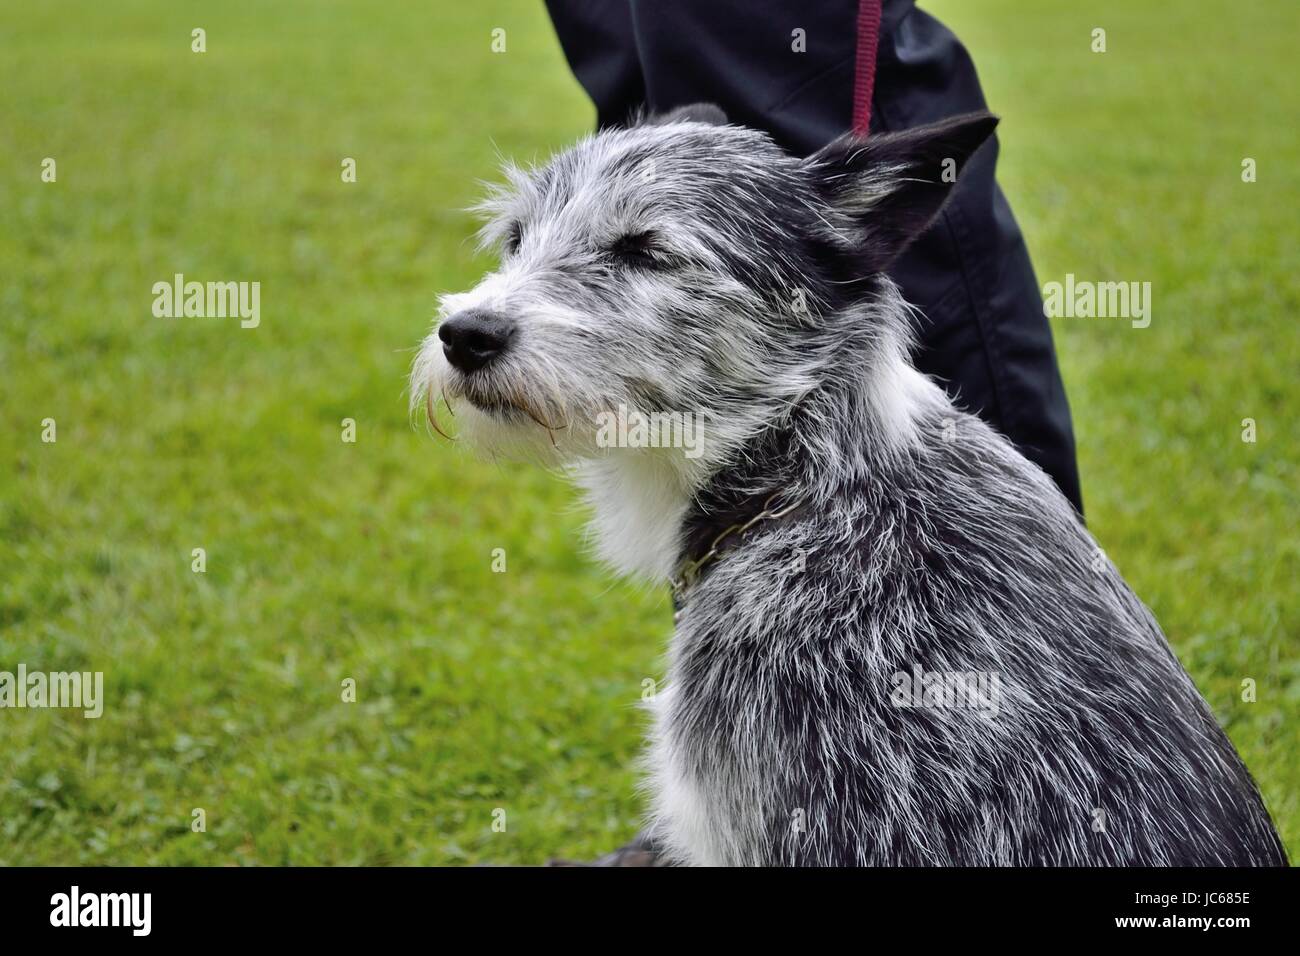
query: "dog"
896, 643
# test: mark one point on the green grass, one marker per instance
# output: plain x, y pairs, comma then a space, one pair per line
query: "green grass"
372, 560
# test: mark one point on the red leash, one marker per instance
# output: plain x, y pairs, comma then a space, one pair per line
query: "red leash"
864, 70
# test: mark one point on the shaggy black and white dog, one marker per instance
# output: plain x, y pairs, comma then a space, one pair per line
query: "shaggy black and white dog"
896, 642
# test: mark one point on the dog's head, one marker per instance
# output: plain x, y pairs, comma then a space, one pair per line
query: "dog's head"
683, 267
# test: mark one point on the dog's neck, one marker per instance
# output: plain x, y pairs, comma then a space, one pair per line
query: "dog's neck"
638, 504
652, 509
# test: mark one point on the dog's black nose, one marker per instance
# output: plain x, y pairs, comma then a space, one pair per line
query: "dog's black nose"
472, 338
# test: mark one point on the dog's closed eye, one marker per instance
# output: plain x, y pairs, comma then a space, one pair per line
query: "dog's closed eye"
638, 250
514, 235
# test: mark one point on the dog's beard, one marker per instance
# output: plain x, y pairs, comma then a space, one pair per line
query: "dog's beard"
532, 407
504, 410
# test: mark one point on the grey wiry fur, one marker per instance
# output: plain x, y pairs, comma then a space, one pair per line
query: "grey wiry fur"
692, 267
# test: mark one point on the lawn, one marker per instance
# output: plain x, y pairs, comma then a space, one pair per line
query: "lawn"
372, 561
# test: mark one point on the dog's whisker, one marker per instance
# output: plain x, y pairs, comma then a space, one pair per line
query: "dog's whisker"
431, 415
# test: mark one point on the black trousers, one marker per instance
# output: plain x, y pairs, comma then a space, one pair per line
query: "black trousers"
985, 337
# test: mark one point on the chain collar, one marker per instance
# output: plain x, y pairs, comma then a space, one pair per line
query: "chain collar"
688, 572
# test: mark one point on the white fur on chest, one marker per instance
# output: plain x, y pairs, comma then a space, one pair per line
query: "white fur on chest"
638, 503
684, 819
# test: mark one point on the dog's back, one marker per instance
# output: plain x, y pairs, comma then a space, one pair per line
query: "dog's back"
939, 666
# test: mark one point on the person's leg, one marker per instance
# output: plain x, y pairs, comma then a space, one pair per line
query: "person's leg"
790, 72
985, 335
600, 45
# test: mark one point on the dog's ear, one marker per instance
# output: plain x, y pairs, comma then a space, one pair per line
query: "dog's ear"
691, 113
892, 185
